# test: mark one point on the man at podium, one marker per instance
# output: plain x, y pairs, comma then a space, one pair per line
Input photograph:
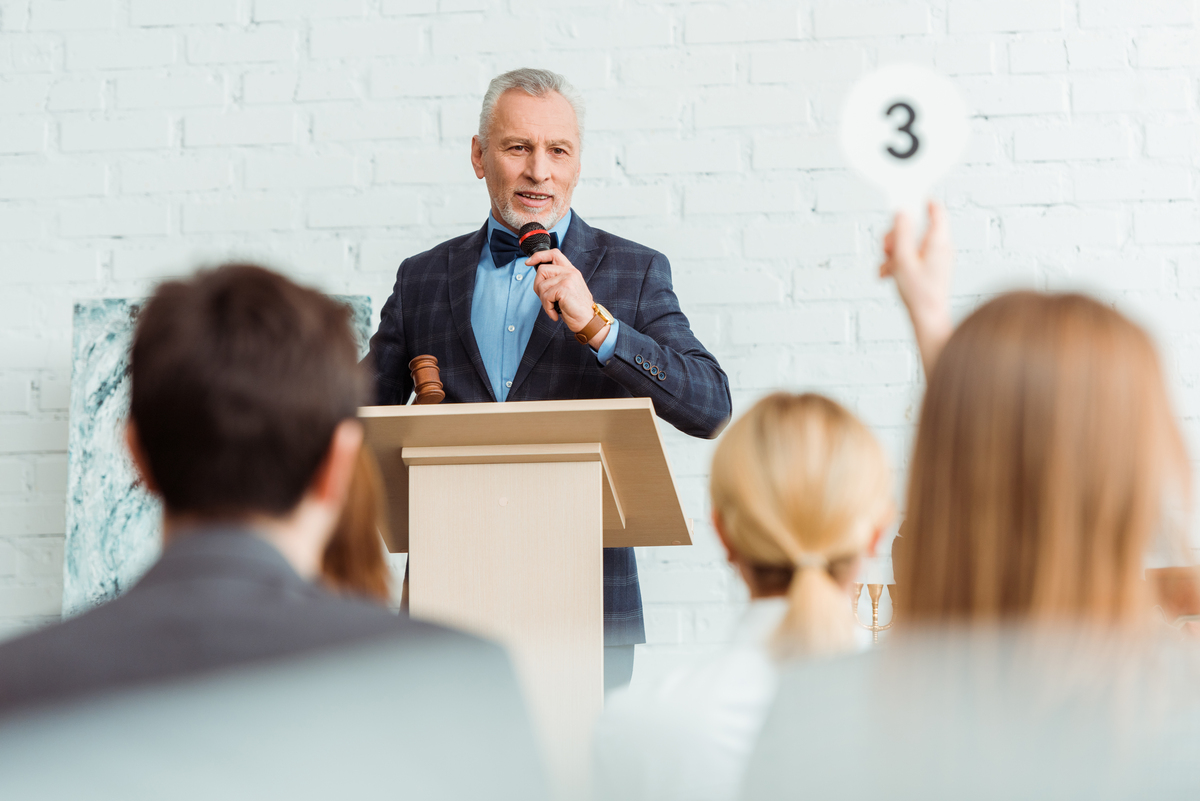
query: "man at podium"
592, 317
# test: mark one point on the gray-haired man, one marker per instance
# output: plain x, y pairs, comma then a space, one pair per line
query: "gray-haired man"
487, 313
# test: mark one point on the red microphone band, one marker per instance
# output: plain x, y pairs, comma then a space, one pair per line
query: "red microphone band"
531, 233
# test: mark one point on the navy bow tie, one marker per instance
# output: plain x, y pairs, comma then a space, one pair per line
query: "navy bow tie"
505, 248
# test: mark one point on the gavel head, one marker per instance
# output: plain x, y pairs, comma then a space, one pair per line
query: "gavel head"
426, 378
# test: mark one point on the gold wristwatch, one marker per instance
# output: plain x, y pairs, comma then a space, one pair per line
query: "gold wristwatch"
594, 326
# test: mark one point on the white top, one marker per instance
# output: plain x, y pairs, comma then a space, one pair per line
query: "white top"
977, 712
690, 734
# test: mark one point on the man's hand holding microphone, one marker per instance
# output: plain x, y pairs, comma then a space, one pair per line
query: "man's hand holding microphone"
559, 285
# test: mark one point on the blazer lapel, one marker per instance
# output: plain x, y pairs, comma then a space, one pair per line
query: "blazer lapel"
464, 263
580, 248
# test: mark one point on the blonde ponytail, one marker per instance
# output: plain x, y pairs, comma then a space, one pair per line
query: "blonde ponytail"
801, 483
818, 618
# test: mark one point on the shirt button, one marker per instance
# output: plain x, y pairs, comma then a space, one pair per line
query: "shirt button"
519, 277
512, 328
508, 384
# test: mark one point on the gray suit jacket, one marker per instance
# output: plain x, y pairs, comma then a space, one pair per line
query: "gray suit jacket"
216, 598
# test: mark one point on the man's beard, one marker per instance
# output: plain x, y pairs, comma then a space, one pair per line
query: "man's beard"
516, 219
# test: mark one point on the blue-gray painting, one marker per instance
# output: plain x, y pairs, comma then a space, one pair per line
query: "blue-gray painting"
113, 525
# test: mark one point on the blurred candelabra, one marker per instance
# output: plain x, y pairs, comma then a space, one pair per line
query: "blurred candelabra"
875, 591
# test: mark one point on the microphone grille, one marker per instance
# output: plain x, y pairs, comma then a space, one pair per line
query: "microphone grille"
533, 237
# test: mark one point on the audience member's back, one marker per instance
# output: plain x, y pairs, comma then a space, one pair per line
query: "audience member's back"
245, 388
801, 490
986, 713
376, 720
1025, 662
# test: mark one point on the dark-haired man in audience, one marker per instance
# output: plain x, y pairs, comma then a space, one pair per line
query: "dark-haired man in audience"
244, 394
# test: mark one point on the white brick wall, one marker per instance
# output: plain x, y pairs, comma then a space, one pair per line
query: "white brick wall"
330, 137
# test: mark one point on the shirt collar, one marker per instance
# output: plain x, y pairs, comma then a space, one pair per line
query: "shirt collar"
559, 228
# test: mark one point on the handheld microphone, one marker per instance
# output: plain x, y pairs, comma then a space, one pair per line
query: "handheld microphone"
534, 238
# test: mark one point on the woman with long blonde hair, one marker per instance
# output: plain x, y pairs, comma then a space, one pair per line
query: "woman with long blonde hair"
1026, 660
1047, 462
1046, 466
801, 491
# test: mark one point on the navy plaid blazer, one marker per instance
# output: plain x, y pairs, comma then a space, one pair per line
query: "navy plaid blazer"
657, 357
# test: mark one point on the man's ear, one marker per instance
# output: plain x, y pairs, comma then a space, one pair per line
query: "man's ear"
477, 156
140, 464
719, 525
332, 480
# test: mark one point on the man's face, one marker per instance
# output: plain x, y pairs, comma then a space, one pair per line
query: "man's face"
531, 163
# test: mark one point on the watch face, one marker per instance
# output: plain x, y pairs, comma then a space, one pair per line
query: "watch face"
604, 313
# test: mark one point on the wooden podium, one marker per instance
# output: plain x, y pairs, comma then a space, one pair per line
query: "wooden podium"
504, 509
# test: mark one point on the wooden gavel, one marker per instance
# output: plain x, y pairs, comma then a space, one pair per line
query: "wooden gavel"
427, 380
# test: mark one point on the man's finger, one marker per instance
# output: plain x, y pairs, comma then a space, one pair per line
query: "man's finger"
547, 275
541, 257
550, 285
552, 290
552, 256
548, 307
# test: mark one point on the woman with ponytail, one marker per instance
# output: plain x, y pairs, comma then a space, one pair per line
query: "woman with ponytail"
801, 492
1048, 471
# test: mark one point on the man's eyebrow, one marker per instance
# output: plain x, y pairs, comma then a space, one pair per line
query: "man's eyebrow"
509, 141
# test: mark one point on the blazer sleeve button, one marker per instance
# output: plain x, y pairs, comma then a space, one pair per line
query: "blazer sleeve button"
638, 358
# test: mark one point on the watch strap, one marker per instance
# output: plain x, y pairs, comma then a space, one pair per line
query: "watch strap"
594, 326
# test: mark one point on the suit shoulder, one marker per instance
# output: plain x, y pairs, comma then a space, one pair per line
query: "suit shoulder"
385, 621
617, 245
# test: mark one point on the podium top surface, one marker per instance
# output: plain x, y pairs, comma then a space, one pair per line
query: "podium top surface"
626, 429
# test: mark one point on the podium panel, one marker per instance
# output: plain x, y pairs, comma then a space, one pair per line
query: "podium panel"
505, 509
521, 564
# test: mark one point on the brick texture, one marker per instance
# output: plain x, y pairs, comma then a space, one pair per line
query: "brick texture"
331, 137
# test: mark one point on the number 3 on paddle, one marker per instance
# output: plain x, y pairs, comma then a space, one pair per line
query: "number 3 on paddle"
903, 128
913, 142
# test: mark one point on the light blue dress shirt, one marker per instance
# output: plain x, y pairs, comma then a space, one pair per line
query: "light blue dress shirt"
504, 309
